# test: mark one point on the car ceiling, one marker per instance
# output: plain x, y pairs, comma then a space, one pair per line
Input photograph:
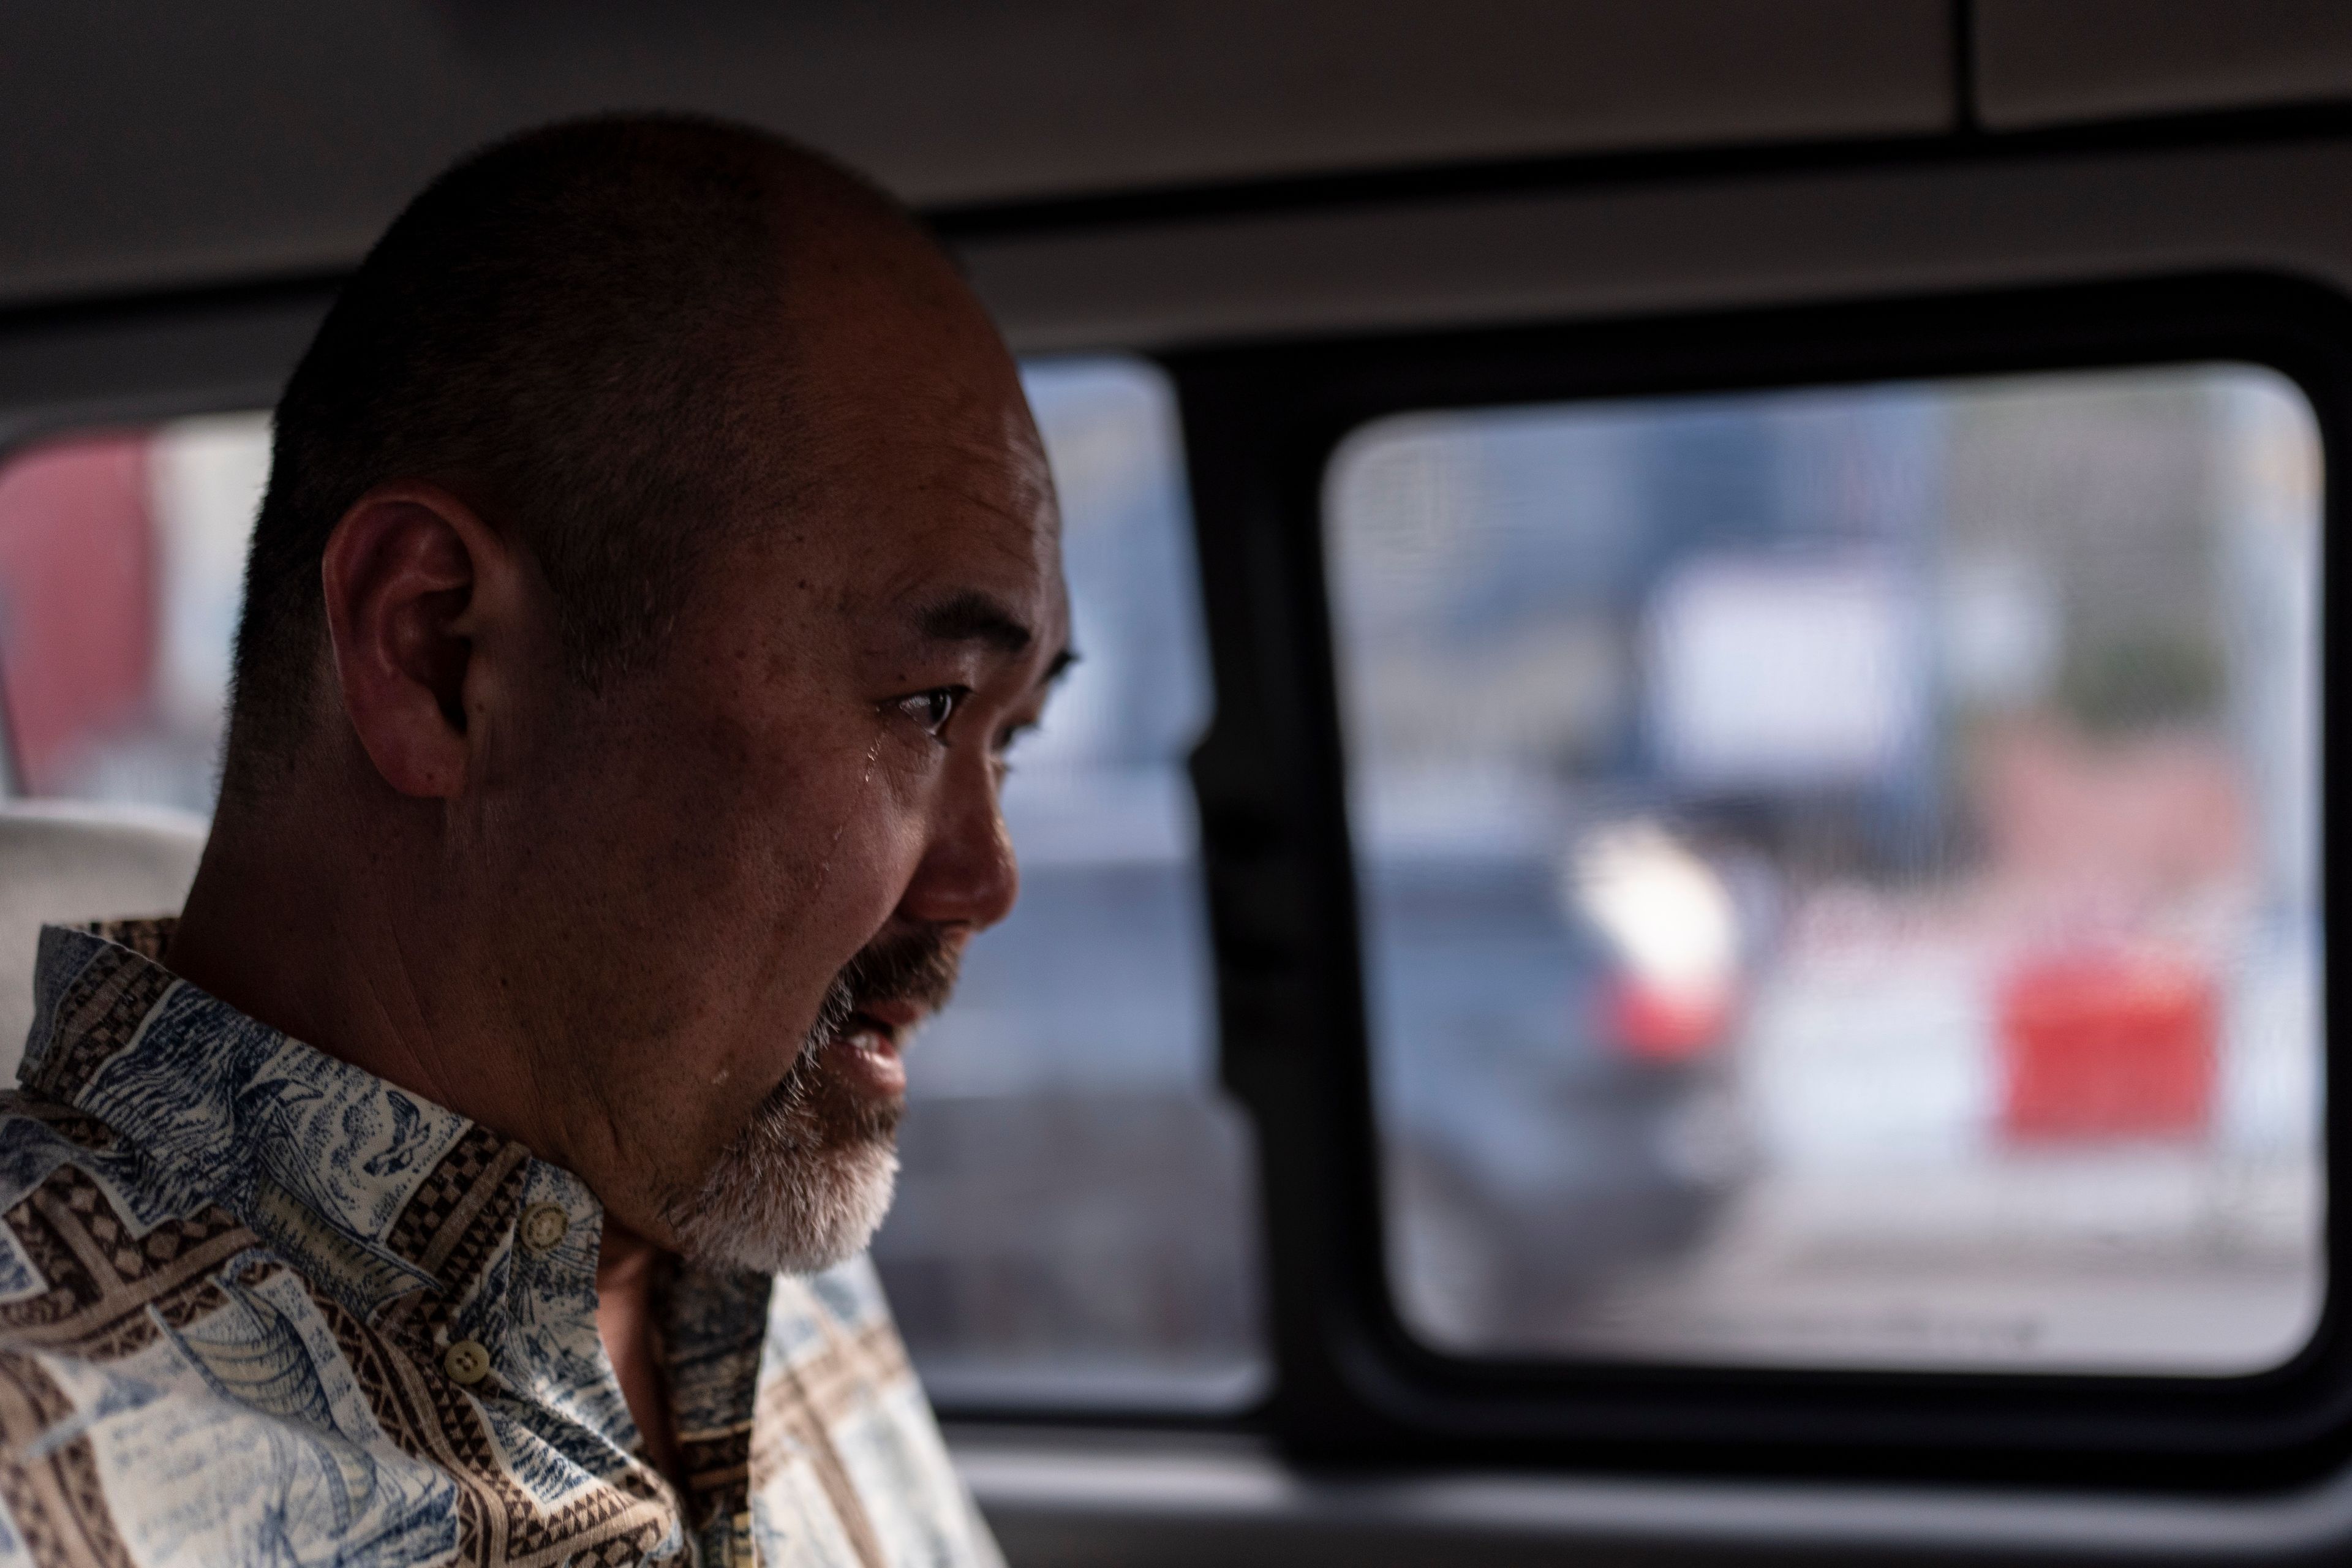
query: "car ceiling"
157, 147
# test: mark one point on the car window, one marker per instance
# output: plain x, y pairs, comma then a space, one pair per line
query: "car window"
1838, 870
1074, 1222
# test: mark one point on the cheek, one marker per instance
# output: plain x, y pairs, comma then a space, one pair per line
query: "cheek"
871, 854
805, 842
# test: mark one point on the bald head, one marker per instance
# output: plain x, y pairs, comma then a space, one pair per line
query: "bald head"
598, 334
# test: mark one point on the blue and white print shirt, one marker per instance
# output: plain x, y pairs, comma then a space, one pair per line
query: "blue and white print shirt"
259, 1306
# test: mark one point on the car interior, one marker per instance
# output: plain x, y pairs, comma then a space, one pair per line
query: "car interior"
1677, 915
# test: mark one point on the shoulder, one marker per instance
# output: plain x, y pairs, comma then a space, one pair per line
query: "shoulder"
154, 1415
90, 1233
37, 1134
846, 1298
839, 1395
168, 1390
154, 1457
838, 1315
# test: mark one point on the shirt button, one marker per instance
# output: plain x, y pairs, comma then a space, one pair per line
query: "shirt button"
467, 1362
544, 1224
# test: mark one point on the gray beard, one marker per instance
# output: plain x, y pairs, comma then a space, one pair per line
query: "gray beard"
806, 1183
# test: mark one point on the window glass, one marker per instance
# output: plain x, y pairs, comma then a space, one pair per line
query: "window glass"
1839, 871
1076, 1214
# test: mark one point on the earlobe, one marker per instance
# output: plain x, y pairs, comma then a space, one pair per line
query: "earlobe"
401, 573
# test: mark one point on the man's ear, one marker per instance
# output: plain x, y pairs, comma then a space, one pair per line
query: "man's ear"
410, 574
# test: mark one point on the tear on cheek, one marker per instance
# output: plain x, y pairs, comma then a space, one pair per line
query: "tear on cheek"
856, 801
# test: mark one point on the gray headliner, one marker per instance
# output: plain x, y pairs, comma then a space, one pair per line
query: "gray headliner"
162, 146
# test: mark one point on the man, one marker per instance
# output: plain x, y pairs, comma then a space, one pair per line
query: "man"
657, 560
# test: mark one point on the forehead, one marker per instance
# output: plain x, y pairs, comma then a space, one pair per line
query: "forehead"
941, 491
912, 469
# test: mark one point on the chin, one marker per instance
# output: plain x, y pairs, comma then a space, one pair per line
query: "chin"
792, 1210
807, 1181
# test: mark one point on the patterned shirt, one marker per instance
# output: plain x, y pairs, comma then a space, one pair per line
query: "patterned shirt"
257, 1305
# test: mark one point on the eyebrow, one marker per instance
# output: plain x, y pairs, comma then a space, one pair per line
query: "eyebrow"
974, 617
977, 617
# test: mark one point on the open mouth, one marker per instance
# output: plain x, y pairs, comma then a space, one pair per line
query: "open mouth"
866, 1051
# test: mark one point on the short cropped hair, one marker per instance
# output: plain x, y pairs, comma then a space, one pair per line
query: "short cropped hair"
575, 331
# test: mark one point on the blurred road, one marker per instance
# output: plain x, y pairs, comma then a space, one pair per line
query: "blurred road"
2117, 1259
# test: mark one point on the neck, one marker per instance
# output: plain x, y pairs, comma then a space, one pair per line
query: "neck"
352, 956
627, 1269
347, 953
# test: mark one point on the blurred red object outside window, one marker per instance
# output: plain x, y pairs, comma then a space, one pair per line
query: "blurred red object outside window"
78, 596
2106, 1044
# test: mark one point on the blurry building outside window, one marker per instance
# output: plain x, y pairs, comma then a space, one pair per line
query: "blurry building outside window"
1839, 871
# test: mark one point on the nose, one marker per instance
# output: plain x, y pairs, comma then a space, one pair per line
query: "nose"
968, 877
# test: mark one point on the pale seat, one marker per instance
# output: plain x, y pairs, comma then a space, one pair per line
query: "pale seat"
67, 861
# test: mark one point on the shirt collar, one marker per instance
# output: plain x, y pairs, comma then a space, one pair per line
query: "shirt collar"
379, 1194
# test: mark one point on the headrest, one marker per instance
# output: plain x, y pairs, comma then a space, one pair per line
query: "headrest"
62, 862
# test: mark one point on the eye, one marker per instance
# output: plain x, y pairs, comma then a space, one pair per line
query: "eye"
1012, 734
933, 709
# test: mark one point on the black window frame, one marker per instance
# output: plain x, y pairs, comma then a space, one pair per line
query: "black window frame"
1352, 1384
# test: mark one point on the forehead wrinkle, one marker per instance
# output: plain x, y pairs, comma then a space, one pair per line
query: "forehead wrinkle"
1020, 494
1023, 512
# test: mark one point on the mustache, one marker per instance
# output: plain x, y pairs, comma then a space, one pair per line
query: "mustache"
918, 965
